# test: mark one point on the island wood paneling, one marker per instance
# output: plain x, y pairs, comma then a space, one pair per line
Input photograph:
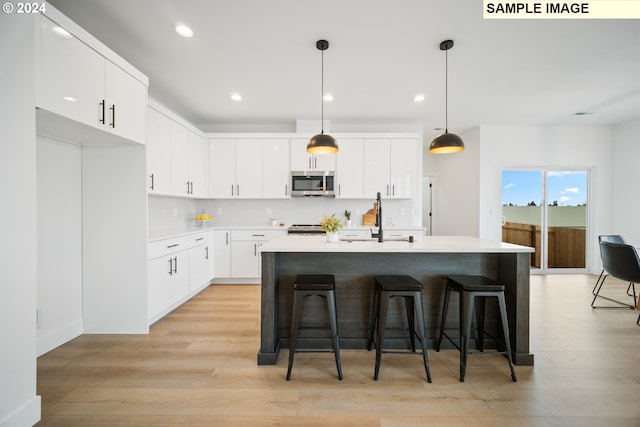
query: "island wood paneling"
354, 285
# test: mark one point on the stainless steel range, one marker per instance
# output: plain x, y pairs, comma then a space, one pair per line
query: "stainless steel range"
305, 229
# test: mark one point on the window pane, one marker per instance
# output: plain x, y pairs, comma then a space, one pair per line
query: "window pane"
522, 210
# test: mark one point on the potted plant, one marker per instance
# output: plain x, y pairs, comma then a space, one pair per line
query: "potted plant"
347, 214
330, 225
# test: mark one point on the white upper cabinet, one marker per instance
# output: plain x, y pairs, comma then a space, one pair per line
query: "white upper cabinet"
126, 104
158, 152
180, 184
404, 168
235, 168
350, 169
198, 165
72, 75
390, 167
301, 160
377, 173
275, 169
79, 83
177, 160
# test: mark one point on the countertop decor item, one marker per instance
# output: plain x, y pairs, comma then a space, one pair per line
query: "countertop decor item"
322, 143
446, 142
203, 217
330, 225
347, 215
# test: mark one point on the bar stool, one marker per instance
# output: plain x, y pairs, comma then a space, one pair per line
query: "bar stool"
471, 288
387, 287
307, 285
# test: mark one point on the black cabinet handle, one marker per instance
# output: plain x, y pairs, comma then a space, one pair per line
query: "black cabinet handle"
232, 189
170, 266
175, 264
102, 105
206, 252
113, 115
173, 246
199, 238
152, 182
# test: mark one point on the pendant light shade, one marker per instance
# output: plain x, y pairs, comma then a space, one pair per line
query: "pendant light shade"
322, 143
446, 142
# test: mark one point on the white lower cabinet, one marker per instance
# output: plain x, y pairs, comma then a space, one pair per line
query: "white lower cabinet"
222, 250
238, 252
178, 268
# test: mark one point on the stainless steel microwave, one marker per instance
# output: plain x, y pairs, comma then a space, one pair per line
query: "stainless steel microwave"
312, 183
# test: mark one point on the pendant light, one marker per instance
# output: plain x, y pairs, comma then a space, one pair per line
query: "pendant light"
322, 143
446, 142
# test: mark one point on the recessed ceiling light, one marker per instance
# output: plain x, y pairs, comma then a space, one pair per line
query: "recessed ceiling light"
184, 31
236, 97
69, 98
61, 32
418, 98
328, 97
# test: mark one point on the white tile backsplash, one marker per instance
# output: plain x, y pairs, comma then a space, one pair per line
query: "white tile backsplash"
298, 210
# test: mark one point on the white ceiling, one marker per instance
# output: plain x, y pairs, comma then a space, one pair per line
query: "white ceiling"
381, 54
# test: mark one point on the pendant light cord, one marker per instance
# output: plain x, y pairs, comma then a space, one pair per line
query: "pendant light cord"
322, 92
446, 91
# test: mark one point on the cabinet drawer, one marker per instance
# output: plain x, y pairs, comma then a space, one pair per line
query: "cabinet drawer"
167, 246
345, 234
256, 235
200, 239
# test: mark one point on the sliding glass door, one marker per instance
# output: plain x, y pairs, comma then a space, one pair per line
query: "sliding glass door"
547, 210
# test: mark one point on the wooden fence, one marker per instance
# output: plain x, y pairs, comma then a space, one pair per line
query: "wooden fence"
566, 244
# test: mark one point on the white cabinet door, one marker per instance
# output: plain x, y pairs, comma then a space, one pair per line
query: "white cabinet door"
377, 174
350, 169
200, 266
245, 259
222, 253
198, 182
179, 160
404, 168
72, 76
303, 161
158, 152
179, 282
159, 273
248, 168
126, 108
300, 159
222, 168
275, 169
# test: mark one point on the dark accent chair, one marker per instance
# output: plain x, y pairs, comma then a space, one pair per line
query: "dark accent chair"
621, 261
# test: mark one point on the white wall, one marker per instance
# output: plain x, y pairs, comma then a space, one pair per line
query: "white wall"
504, 147
19, 404
59, 251
625, 205
456, 189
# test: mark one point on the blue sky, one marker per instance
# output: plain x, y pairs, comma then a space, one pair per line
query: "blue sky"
522, 187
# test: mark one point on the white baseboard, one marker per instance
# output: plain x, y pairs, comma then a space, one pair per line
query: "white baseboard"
59, 336
27, 414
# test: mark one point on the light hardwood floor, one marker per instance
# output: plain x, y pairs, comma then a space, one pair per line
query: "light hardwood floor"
197, 367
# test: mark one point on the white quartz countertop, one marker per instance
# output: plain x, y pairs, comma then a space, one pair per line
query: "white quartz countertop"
427, 244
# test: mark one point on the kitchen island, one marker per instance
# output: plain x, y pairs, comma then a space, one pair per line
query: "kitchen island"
354, 264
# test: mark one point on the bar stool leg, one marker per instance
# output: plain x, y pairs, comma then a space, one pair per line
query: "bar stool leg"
419, 314
466, 307
409, 305
445, 308
480, 304
505, 329
293, 336
374, 317
331, 306
382, 325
